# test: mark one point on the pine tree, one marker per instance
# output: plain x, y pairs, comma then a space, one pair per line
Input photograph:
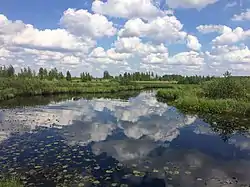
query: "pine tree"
68, 76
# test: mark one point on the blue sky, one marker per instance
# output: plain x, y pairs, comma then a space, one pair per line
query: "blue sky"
117, 36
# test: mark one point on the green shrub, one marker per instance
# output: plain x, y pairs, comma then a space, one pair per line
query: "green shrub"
224, 88
190, 98
169, 94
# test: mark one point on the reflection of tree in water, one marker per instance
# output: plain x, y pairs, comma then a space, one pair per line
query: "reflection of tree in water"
43, 158
227, 125
44, 100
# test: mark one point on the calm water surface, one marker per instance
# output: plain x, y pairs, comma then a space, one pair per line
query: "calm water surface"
112, 142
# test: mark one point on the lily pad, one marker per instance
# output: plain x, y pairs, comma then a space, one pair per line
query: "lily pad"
109, 171
38, 167
96, 182
155, 171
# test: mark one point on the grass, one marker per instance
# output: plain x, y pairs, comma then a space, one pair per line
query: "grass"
10, 183
156, 82
11, 88
191, 99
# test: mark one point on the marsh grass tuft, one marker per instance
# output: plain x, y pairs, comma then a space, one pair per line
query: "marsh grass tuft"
13, 182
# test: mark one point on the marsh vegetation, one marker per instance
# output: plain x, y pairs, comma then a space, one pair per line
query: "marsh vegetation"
27, 82
227, 94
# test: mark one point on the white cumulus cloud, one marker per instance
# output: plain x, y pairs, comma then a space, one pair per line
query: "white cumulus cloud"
193, 43
227, 35
198, 4
235, 57
149, 38
213, 28
135, 45
236, 35
109, 56
244, 16
128, 9
24, 45
82, 23
190, 58
163, 29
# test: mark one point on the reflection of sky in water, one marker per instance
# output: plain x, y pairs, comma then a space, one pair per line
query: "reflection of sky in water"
94, 120
140, 129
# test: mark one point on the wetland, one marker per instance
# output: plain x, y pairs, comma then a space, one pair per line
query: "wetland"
126, 139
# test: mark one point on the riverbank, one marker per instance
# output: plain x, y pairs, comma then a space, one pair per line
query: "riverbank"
11, 88
192, 99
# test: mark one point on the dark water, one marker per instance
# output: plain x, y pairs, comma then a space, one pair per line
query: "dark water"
113, 142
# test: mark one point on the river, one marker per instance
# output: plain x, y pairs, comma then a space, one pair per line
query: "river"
117, 142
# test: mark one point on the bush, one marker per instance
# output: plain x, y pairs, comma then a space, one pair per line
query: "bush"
169, 94
191, 99
224, 88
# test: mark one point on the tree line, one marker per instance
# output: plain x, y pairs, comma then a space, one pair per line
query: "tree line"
43, 73
54, 74
150, 76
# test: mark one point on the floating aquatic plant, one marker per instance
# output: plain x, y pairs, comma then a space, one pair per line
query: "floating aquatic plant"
138, 173
155, 171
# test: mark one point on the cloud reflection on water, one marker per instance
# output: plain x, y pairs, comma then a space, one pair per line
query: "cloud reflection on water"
96, 119
141, 128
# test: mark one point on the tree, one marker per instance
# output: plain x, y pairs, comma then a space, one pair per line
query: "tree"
40, 73
125, 75
60, 75
45, 73
68, 76
10, 71
3, 71
227, 74
53, 74
29, 73
106, 75
26, 73
83, 77
89, 77
224, 88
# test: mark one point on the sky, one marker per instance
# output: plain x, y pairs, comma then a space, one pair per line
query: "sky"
188, 37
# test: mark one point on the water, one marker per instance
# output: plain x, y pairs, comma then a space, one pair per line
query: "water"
114, 142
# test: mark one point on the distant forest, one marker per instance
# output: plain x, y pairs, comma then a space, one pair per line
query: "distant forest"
54, 74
